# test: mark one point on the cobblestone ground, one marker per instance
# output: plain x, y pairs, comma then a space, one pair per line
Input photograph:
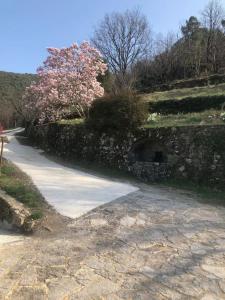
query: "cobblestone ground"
156, 243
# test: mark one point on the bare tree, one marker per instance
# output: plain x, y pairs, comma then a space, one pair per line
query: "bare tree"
165, 56
213, 16
123, 39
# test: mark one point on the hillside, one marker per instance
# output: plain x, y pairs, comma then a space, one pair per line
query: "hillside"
187, 106
178, 94
12, 86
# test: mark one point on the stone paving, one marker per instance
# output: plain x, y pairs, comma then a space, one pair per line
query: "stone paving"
156, 243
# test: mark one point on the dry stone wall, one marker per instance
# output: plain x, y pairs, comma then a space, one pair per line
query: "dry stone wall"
196, 153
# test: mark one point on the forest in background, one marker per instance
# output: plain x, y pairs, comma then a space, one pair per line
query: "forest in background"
12, 87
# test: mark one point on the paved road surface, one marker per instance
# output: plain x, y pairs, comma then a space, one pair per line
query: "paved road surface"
72, 192
153, 244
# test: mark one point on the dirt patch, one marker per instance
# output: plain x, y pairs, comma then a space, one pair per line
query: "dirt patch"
51, 224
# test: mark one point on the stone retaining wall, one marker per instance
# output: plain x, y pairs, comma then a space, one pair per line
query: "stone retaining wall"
196, 153
14, 214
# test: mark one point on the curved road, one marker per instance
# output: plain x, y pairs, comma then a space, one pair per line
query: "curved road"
71, 192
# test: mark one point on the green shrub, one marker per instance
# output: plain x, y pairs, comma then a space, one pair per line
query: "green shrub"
118, 112
187, 105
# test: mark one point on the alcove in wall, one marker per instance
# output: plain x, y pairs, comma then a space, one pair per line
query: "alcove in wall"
146, 151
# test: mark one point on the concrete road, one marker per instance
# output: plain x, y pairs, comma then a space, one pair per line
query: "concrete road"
71, 192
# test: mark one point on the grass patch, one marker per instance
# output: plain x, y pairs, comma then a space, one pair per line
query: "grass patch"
15, 183
71, 122
209, 117
178, 94
205, 194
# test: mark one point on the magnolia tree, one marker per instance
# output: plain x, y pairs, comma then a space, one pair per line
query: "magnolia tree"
67, 82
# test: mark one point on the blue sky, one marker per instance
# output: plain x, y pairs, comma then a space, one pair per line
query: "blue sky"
28, 27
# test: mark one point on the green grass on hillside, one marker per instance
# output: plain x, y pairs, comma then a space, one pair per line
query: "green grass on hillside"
209, 117
179, 94
18, 185
71, 122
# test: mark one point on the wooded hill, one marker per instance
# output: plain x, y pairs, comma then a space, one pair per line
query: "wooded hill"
198, 52
12, 87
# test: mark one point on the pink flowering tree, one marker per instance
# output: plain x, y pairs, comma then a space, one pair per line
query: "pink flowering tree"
67, 83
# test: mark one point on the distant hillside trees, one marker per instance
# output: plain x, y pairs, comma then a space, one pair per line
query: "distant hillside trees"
12, 87
198, 50
213, 20
192, 47
126, 42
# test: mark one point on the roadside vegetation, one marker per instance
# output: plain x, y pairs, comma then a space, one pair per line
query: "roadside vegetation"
18, 185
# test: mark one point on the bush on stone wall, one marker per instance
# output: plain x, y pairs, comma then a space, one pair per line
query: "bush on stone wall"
118, 112
187, 105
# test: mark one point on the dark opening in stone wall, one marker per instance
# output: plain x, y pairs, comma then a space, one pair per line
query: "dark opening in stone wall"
149, 161
148, 152
159, 157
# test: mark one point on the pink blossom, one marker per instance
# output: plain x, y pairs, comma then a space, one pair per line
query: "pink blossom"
66, 80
